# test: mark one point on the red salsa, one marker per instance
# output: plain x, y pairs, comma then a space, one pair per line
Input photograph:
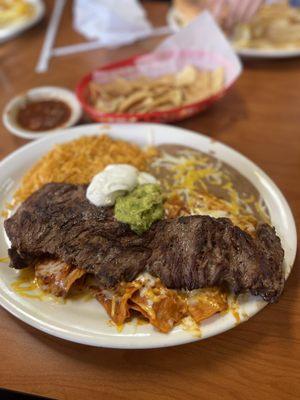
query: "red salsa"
43, 115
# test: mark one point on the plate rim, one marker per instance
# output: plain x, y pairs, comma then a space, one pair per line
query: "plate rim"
104, 340
267, 53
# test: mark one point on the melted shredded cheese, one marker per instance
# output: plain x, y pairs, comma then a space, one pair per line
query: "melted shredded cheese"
192, 174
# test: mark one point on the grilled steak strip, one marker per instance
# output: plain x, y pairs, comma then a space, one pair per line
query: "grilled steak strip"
58, 221
200, 251
191, 252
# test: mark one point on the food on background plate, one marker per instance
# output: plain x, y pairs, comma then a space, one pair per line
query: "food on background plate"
43, 115
13, 11
275, 26
145, 95
211, 238
185, 11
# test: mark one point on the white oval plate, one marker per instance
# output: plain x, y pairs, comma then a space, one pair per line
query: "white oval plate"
87, 322
247, 52
18, 27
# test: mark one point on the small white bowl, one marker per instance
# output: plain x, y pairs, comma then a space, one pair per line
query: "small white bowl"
40, 93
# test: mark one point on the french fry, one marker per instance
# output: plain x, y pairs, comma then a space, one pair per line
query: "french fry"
12, 11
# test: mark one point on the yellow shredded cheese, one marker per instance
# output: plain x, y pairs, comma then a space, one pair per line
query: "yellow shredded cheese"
193, 174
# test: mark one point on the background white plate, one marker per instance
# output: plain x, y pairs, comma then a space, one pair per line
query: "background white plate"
251, 53
18, 27
87, 322
261, 53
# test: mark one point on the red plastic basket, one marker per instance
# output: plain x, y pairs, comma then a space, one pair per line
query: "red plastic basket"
171, 115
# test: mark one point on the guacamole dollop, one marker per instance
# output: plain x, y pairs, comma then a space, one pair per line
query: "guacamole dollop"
141, 207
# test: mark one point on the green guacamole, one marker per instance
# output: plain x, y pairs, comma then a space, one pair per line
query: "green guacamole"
141, 207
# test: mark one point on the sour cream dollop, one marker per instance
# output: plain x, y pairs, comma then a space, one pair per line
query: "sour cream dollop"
114, 181
144, 178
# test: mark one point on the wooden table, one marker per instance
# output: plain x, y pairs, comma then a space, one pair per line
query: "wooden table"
259, 359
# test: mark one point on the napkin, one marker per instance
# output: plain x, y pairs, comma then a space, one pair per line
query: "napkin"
201, 43
113, 22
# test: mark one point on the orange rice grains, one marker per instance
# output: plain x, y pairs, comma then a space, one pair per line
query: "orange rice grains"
78, 161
